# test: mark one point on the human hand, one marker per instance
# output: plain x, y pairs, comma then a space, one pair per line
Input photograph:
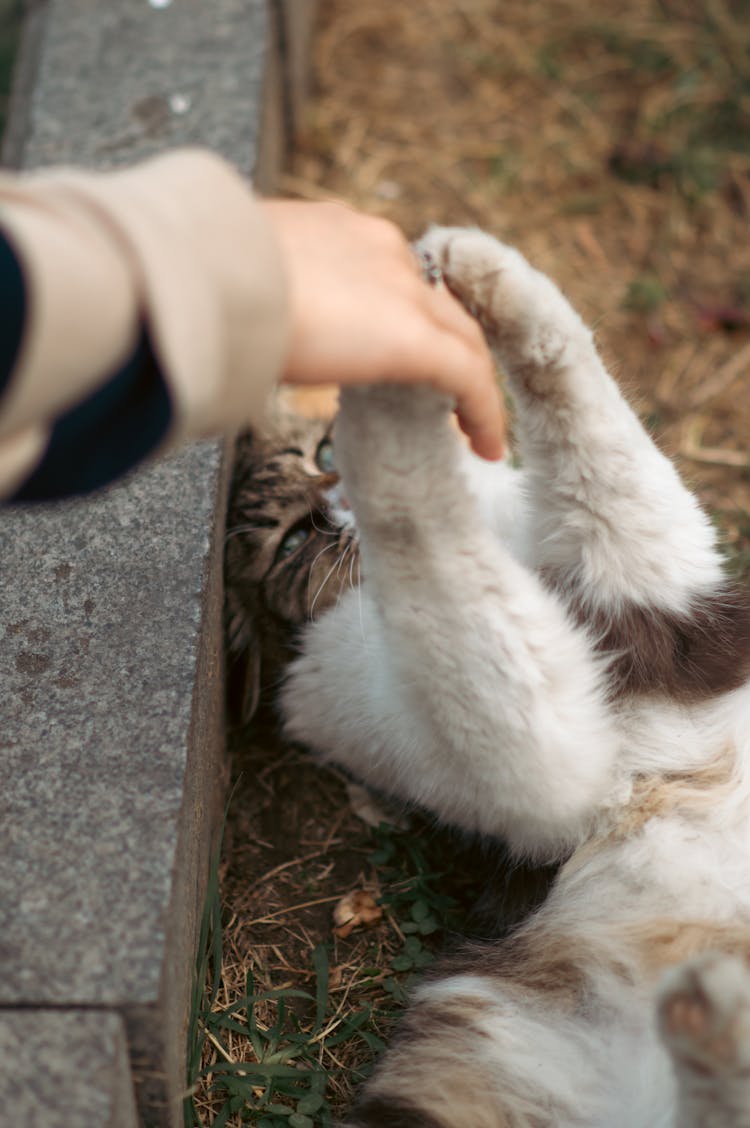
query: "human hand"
361, 313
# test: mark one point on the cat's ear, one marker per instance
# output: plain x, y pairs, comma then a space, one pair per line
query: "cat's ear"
243, 684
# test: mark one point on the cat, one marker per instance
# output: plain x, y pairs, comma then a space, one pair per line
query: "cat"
551, 654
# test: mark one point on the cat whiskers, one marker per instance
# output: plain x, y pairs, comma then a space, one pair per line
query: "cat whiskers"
316, 558
353, 548
355, 560
359, 596
350, 552
238, 530
335, 567
330, 531
318, 593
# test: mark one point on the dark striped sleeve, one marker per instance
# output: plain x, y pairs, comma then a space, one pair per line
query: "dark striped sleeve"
107, 434
12, 311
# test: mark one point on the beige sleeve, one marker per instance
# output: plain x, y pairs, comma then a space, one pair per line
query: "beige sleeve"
177, 243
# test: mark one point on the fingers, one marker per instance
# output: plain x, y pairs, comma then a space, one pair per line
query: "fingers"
468, 373
360, 311
457, 362
482, 421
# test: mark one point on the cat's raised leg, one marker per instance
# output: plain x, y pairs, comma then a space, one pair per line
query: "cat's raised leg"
704, 1018
452, 678
612, 525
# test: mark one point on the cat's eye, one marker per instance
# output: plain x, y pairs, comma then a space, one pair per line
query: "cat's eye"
293, 540
324, 459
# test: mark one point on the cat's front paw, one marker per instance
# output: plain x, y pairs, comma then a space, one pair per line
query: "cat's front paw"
523, 314
476, 267
704, 1014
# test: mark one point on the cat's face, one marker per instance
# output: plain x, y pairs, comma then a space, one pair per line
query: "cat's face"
291, 545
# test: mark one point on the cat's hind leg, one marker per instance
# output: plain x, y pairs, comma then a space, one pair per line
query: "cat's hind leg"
704, 1019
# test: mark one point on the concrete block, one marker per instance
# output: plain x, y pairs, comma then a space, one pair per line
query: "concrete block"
111, 769
111, 742
65, 1069
118, 81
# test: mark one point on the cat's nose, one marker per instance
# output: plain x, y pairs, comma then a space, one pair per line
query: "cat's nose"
330, 486
326, 481
328, 493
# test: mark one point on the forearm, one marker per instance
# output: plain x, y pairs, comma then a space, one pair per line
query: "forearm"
156, 294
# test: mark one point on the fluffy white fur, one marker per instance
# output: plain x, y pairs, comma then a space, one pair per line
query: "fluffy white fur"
457, 678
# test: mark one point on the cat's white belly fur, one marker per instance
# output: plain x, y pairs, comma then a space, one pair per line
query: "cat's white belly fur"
693, 871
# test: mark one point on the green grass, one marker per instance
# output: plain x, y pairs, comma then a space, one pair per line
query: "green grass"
206, 983
285, 1084
284, 1077
645, 294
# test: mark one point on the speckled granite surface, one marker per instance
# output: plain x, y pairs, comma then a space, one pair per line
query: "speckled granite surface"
63, 1068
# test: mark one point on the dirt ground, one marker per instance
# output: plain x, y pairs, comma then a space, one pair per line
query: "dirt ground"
612, 145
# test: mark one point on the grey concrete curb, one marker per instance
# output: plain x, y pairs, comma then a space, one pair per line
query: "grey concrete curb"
112, 771
65, 1067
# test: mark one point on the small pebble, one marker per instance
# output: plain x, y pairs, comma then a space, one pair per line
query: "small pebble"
179, 103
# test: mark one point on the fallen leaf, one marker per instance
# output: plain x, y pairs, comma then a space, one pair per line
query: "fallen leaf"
355, 909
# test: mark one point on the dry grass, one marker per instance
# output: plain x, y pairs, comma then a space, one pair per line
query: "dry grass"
293, 849
611, 145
